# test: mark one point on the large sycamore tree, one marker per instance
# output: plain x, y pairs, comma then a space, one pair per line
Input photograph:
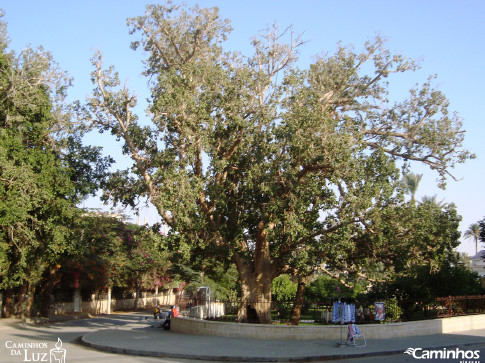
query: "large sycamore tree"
256, 158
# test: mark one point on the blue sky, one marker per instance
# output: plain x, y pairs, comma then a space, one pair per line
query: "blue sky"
449, 37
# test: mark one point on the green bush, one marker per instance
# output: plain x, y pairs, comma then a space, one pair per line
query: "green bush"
393, 310
283, 289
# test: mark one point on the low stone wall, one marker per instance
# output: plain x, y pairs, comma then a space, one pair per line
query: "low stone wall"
95, 306
326, 332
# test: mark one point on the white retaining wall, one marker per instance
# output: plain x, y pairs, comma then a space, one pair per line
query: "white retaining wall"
95, 307
326, 332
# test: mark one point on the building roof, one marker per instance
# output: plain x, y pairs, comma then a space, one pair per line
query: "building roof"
479, 256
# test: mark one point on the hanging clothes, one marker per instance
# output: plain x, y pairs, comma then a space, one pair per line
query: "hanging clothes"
336, 312
343, 312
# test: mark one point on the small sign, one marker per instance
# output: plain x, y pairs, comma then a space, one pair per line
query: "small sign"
380, 312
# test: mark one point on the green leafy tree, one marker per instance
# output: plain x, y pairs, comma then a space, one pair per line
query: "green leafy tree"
113, 253
34, 211
406, 237
148, 260
393, 310
394, 239
456, 279
418, 261
284, 289
432, 199
324, 287
39, 184
101, 257
258, 159
222, 282
417, 288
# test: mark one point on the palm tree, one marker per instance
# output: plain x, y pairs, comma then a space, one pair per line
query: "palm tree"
434, 200
411, 182
473, 231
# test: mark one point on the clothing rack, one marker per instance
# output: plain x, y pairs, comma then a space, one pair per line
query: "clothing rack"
343, 311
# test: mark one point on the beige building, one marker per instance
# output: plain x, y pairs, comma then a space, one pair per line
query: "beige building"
478, 263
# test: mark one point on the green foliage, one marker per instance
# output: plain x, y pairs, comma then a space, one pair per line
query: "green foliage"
456, 280
452, 279
398, 240
222, 282
283, 288
35, 188
278, 168
325, 287
42, 169
393, 310
111, 253
283, 291
87, 167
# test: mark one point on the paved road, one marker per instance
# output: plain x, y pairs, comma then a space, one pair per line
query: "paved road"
24, 343
29, 343
404, 358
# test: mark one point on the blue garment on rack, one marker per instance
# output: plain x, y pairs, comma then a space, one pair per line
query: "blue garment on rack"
336, 313
343, 312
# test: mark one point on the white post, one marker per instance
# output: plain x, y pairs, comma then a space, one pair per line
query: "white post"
77, 300
108, 308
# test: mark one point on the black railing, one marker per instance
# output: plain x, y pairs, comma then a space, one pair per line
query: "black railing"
321, 311
460, 305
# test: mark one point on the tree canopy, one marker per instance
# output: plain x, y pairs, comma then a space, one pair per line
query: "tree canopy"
42, 166
261, 160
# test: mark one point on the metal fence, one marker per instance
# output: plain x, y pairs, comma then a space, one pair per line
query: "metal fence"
321, 311
460, 305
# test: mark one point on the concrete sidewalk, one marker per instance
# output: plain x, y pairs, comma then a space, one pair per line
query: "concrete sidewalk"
147, 340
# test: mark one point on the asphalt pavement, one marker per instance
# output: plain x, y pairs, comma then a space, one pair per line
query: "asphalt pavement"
137, 337
143, 337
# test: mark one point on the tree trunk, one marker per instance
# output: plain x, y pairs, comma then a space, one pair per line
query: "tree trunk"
19, 295
255, 298
24, 303
137, 297
298, 303
46, 293
9, 303
29, 310
256, 277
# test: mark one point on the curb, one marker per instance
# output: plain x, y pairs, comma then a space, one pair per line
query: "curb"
160, 354
11, 321
41, 320
140, 352
57, 318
